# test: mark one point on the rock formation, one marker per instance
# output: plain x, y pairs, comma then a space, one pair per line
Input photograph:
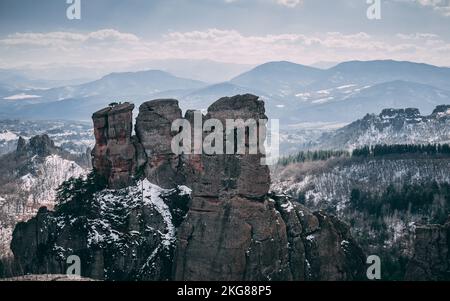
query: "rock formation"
321, 247
153, 130
233, 230
40, 145
431, 259
114, 155
229, 197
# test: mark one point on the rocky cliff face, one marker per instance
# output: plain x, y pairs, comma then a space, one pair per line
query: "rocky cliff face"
320, 246
114, 154
153, 130
431, 259
233, 229
230, 197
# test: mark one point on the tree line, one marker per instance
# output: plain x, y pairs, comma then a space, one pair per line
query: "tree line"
399, 149
310, 156
431, 199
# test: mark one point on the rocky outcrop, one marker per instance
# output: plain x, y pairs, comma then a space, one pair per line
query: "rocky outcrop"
441, 110
230, 197
320, 246
234, 229
431, 259
40, 145
125, 234
231, 228
115, 155
153, 130
232, 239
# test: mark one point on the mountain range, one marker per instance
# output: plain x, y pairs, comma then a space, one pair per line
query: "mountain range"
293, 93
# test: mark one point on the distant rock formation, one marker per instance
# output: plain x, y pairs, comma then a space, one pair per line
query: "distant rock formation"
233, 229
40, 145
43, 146
431, 259
391, 126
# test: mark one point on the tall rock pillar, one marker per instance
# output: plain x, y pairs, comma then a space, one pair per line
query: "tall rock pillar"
114, 155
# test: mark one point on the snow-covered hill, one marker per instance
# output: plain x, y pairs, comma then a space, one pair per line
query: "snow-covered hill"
29, 182
383, 199
392, 126
329, 184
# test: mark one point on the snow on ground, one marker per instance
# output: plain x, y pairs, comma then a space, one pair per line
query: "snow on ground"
287, 206
8, 136
151, 194
142, 193
41, 185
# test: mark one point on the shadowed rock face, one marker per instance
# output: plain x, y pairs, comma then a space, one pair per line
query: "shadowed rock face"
115, 152
232, 232
153, 130
40, 145
232, 239
431, 259
441, 109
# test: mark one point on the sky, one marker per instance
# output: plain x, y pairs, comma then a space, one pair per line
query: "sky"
126, 34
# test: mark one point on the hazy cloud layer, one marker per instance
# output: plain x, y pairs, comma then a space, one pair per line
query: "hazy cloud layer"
109, 45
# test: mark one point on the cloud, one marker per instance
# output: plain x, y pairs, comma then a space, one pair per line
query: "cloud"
287, 3
231, 45
440, 6
118, 49
290, 3
60, 38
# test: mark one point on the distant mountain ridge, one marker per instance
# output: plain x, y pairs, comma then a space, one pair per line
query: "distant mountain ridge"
279, 78
293, 92
349, 102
